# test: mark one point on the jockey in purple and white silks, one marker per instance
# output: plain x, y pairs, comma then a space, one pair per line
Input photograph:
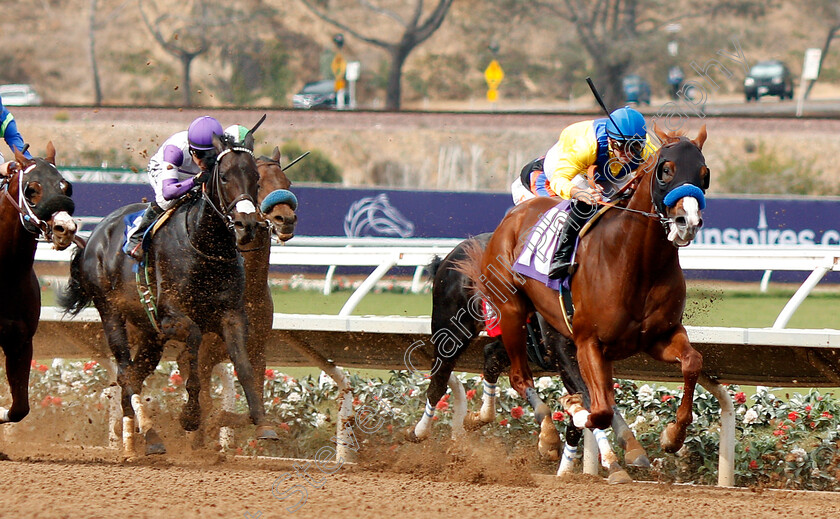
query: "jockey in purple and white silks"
183, 161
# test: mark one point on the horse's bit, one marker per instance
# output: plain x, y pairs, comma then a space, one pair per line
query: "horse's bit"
24, 207
216, 179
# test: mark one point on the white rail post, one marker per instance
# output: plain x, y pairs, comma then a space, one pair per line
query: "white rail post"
367, 285
328, 279
417, 280
800, 295
226, 434
591, 464
726, 457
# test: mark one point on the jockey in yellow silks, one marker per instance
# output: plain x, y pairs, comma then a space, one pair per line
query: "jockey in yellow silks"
590, 162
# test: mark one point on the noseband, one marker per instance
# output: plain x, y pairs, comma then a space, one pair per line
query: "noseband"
216, 179
30, 222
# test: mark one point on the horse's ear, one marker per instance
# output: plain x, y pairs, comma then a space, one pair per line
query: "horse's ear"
249, 141
664, 138
218, 143
50, 153
275, 155
701, 137
20, 158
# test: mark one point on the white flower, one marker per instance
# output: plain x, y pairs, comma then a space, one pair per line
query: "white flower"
646, 393
294, 396
67, 377
57, 363
751, 416
512, 393
639, 421
544, 383
325, 381
799, 453
320, 419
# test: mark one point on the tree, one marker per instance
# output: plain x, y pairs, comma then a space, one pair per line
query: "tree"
617, 34
93, 26
414, 30
189, 34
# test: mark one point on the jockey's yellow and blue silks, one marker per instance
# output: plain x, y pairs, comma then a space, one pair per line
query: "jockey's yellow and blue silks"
9, 131
581, 145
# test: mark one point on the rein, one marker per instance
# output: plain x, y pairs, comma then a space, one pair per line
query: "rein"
216, 178
24, 209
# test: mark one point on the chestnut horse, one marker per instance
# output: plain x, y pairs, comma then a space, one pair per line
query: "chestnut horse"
628, 292
457, 318
200, 278
278, 205
35, 201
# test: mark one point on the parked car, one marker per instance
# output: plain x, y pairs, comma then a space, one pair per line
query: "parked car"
318, 94
636, 89
19, 95
768, 78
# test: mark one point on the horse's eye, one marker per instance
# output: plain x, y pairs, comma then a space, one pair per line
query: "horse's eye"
224, 179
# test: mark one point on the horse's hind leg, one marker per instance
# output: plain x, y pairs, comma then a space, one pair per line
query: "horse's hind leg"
18, 362
149, 352
495, 362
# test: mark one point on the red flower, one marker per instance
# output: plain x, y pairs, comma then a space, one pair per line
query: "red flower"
747, 448
792, 416
503, 422
808, 408
826, 414
269, 374
778, 432
176, 379
90, 365
813, 425
284, 426
517, 412
34, 363
557, 416
616, 385
275, 400
239, 451
42, 368
470, 394
435, 418
56, 401
46, 401
443, 405
356, 401
753, 465
740, 397
252, 444
445, 397
665, 398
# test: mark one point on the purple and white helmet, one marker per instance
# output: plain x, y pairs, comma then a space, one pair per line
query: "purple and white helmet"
200, 133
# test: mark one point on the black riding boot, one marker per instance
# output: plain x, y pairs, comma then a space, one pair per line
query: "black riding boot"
133, 247
562, 260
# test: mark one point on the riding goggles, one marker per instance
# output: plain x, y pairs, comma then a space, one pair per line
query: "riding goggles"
633, 147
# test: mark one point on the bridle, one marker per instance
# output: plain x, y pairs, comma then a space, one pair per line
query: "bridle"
216, 179
24, 207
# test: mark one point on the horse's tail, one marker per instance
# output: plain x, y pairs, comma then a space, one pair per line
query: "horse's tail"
470, 265
75, 297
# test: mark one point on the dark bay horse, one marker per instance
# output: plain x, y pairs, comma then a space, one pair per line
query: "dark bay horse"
457, 317
278, 205
628, 292
34, 201
200, 282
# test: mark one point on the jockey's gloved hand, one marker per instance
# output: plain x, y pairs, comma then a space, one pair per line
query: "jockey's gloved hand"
202, 177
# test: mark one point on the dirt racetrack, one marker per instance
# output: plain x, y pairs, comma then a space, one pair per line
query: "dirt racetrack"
407, 482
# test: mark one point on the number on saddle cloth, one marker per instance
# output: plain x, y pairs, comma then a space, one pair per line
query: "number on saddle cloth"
540, 246
131, 222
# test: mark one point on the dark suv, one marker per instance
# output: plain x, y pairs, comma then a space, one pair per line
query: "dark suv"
318, 94
769, 78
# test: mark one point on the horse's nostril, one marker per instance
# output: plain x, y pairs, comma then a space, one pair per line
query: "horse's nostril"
59, 229
700, 223
239, 224
680, 221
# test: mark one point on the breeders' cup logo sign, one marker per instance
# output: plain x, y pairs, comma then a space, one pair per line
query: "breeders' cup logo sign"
763, 235
375, 216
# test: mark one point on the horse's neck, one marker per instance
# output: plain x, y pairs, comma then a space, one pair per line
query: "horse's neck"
256, 261
19, 245
647, 230
209, 233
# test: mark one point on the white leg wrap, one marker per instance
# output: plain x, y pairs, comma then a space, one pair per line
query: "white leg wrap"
567, 462
4, 415
128, 436
144, 423
488, 403
423, 429
579, 415
228, 392
608, 457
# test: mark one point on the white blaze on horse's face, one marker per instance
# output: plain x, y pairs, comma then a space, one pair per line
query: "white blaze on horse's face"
685, 222
245, 207
63, 228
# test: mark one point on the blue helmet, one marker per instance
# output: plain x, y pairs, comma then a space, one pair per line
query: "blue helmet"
631, 125
200, 133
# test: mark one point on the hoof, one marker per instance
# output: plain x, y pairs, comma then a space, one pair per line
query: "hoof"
154, 444
619, 477
473, 422
266, 432
549, 444
668, 440
411, 436
637, 458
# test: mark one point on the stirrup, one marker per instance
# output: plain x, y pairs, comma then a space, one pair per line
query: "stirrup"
136, 252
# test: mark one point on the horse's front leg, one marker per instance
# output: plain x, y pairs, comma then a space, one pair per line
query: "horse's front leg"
191, 413
18, 362
597, 373
235, 333
676, 348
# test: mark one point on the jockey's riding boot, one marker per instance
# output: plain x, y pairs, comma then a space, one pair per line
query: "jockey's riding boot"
134, 247
562, 260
